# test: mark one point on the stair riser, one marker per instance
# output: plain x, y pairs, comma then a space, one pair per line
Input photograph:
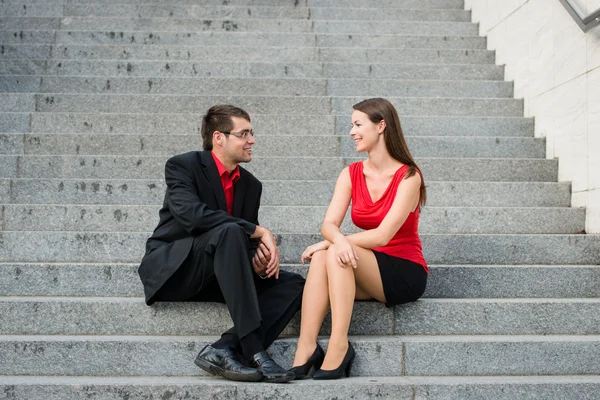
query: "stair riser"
250, 70
292, 193
307, 219
425, 317
110, 167
173, 356
438, 249
293, 145
254, 87
121, 280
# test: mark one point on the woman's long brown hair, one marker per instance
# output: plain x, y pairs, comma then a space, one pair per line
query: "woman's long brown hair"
378, 109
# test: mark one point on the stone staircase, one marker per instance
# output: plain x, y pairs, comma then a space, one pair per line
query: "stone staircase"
97, 94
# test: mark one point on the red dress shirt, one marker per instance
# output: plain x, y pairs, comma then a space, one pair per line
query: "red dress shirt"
227, 180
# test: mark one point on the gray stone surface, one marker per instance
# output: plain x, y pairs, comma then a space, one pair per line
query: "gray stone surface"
185, 38
30, 9
192, 11
48, 246
300, 105
8, 166
424, 4
173, 124
393, 27
22, 67
16, 102
288, 144
260, 12
190, 86
162, 355
443, 56
27, 52
444, 281
14, 122
404, 41
266, 87
298, 219
401, 388
20, 84
119, 24
21, 36
260, 69
183, 53
498, 317
11, 143
28, 23
187, 69
299, 168
500, 355
504, 281
131, 316
292, 193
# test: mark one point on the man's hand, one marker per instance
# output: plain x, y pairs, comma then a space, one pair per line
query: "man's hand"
268, 240
261, 260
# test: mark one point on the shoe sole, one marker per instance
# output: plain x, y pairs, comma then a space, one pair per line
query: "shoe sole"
232, 376
283, 379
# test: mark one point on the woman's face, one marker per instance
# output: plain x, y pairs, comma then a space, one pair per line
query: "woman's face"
365, 133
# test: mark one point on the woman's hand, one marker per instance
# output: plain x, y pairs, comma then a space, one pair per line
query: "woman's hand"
312, 249
344, 252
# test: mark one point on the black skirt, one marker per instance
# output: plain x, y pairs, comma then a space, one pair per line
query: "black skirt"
403, 281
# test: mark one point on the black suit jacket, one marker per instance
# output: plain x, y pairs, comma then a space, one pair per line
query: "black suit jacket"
194, 204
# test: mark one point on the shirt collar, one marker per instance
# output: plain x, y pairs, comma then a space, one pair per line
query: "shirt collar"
235, 174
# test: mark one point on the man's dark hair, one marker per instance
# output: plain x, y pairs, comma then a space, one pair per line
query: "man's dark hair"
218, 118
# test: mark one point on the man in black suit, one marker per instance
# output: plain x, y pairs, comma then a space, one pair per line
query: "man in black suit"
208, 246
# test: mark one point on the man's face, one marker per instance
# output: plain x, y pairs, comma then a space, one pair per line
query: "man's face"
235, 149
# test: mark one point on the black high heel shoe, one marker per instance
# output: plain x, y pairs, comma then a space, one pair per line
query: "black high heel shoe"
315, 361
343, 369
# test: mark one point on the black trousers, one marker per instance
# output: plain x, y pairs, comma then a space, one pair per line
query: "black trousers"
218, 269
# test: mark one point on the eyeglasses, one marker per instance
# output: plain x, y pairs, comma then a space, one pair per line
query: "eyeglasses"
241, 135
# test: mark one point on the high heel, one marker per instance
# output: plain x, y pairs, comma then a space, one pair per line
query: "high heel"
315, 361
343, 369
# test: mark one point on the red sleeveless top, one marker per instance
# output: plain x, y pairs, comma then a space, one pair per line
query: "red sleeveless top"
367, 214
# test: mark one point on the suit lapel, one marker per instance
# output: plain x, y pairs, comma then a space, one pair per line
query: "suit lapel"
212, 175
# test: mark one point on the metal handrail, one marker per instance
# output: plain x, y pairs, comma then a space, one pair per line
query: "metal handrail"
585, 22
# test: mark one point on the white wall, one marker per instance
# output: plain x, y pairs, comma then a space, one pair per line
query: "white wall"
556, 69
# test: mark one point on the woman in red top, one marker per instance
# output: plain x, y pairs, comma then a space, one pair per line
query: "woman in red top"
383, 262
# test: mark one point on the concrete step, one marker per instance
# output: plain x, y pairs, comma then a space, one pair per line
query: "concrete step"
404, 355
266, 145
277, 168
23, 24
131, 316
291, 192
17, 102
251, 70
295, 105
269, 25
297, 219
262, 12
252, 38
25, 52
444, 281
15, 122
401, 388
250, 54
57, 246
141, 123
31, 9
256, 86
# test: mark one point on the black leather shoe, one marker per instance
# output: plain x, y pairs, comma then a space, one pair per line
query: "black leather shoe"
226, 363
343, 369
313, 363
271, 371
